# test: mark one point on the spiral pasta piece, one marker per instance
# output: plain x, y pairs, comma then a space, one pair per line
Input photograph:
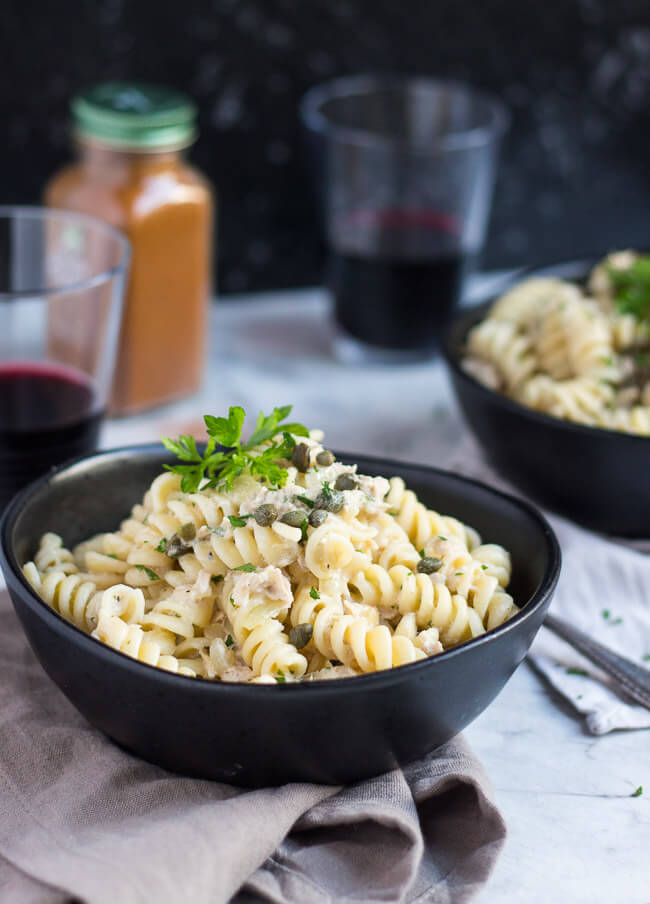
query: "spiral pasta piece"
419, 522
53, 556
136, 643
497, 561
74, 598
253, 606
510, 352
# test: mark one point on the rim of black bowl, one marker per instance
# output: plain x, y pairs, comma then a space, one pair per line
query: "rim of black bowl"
455, 337
42, 609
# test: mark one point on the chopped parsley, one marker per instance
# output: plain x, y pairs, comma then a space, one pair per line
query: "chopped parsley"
280, 677
221, 468
248, 567
484, 567
162, 546
233, 603
577, 672
305, 500
326, 490
607, 615
440, 537
216, 578
149, 572
239, 520
229, 641
422, 554
111, 555
646, 657
303, 530
314, 594
638, 792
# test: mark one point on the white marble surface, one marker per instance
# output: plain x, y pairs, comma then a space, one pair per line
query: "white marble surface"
576, 834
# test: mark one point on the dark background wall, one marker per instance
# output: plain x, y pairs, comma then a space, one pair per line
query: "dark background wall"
575, 73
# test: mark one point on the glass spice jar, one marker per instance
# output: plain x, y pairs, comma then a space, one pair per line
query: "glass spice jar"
131, 172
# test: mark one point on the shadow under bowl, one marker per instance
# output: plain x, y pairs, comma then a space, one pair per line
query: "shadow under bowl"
255, 735
597, 477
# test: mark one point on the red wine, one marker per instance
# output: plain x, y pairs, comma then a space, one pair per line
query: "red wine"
48, 413
395, 277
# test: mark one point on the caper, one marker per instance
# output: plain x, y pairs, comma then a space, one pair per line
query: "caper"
429, 564
346, 482
325, 458
293, 518
300, 457
265, 514
317, 517
331, 501
176, 547
187, 531
300, 635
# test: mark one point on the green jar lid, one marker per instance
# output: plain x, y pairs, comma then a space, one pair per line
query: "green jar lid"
136, 116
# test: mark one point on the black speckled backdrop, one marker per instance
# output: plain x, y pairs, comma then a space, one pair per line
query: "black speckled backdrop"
575, 173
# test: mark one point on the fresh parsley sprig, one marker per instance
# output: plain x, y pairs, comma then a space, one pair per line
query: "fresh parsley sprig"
261, 455
631, 287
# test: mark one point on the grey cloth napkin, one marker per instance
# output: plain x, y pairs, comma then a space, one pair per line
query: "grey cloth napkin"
82, 820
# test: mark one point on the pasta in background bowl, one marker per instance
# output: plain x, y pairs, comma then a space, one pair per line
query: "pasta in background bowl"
553, 379
264, 723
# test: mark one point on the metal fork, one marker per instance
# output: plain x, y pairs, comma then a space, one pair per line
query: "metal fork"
631, 678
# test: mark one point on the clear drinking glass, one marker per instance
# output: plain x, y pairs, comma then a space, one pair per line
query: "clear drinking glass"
405, 169
62, 279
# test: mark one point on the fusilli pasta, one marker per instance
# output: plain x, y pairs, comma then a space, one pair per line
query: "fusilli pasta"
326, 574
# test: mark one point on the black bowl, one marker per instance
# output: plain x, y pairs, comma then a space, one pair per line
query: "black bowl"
597, 477
254, 735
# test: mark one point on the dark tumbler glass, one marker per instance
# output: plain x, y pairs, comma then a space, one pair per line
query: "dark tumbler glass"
405, 170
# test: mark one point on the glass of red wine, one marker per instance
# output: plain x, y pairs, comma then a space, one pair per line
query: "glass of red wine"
405, 169
62, 281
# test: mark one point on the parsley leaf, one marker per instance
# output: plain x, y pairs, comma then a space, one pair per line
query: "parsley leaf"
646, 657
162, 546
248, 567
229, 641
577, 672
216, 578
239, 520
314, 594
638, 792
260, 456
280, 677
303, 530
631, 287
148, 571
226, 431
305, 500
326, 490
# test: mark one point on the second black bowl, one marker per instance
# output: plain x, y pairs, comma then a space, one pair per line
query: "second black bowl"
252, 734
597, 477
